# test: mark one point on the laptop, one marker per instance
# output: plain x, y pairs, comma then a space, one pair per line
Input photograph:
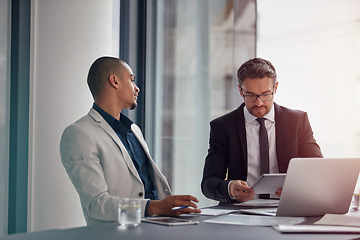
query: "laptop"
315, 187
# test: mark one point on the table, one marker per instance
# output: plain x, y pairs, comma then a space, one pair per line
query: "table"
148, 231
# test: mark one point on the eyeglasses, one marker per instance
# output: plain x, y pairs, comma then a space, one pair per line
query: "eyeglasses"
250, 98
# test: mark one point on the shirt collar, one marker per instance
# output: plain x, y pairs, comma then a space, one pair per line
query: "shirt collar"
126, 122
249, 118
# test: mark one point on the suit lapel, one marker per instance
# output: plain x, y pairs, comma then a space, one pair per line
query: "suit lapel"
108, 129
279, 133
164, 184
240, 121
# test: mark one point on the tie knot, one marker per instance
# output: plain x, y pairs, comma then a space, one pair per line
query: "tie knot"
261, 120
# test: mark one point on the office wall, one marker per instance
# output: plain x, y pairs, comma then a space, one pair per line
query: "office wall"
66, 37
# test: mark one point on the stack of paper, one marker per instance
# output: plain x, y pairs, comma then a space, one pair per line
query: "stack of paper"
316, 229
250, 220
339, 220
259, 203
330, 223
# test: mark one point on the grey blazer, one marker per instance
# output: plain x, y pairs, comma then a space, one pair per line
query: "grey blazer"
101, 169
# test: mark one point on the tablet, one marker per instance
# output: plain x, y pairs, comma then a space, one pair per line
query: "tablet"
169, 221
269, 183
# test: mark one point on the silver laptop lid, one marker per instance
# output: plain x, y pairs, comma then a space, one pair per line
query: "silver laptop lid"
316, 186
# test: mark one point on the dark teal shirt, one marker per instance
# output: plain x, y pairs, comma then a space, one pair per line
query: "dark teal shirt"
122, 128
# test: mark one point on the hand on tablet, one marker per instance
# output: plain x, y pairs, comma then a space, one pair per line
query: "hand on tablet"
241, 191
184, 203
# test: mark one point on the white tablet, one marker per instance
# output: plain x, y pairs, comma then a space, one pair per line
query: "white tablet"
169, 221
269, 183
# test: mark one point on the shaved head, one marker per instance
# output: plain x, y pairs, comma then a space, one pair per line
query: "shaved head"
101, 70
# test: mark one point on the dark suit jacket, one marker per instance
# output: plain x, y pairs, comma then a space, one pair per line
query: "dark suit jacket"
227, 154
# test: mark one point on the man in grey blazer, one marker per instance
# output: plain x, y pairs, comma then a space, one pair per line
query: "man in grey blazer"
233, 159
106, 156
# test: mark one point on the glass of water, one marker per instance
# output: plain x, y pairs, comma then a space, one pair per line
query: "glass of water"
129, 213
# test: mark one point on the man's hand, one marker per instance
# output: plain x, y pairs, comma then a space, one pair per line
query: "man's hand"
165, 206
240, 191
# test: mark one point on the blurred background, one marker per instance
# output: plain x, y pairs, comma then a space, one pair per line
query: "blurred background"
185, 55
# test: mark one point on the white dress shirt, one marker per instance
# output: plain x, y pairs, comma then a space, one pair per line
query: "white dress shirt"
253, 148
252, 138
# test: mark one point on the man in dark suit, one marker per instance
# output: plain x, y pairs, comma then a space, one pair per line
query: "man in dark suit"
234, 159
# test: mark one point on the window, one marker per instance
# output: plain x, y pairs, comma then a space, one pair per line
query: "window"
198, 46
4, 111
317, 55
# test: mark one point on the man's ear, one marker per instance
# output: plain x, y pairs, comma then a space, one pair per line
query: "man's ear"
275, 86
114, 81
241, 94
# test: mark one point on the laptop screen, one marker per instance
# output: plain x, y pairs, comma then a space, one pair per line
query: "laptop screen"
316, 186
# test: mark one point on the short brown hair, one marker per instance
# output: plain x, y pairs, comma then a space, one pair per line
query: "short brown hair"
256, 68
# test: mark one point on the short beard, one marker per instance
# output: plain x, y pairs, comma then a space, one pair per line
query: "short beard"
133, 106
267, 110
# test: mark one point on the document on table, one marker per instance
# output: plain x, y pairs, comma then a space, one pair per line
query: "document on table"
250, 220
259, 203
316, 229
215, 212
339, 220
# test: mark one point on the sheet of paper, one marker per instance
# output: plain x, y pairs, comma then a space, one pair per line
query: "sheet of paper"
260, 203
215, 212
316, 229
339, 220
260, 211
238, 219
